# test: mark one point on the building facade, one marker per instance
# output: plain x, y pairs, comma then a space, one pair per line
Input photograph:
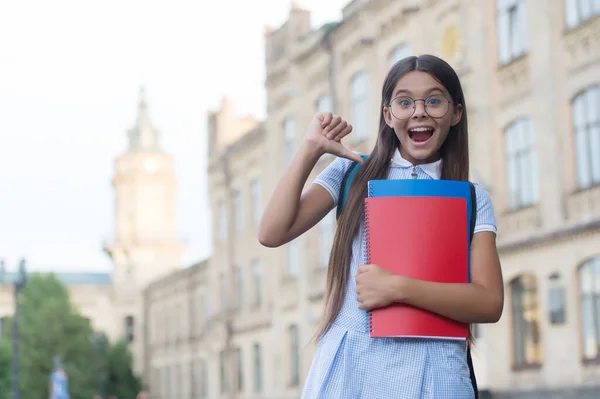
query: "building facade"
145, 246
530, 71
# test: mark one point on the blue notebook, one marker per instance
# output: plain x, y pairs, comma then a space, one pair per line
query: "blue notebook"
425, 188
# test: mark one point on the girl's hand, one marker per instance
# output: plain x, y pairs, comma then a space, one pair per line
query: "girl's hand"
376, 287
325, 134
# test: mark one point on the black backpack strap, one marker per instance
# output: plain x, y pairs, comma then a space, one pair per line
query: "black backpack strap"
472, 372
341, 195
472, 232
473, 210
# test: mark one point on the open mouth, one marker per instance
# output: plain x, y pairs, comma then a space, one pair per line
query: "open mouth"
420, 134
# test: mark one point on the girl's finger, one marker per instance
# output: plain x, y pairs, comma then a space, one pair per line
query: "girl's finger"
346, 153
346, 131
335, 120
337, 130
327, 116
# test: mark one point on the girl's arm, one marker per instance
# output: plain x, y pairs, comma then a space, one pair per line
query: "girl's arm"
481, 301
289, 213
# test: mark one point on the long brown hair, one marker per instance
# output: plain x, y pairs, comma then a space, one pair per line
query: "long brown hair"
455, 166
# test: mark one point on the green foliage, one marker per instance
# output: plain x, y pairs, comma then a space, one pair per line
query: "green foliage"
120, 381
5, 368
50, 326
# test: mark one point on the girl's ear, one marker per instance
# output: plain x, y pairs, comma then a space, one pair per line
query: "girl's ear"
388, 117
457, 114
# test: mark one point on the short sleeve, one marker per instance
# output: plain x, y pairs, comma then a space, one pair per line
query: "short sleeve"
484, 220
331, 177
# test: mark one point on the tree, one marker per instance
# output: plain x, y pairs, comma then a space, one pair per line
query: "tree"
5, 368
49, 327
120, 380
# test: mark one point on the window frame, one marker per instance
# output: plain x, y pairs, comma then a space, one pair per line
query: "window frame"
521, 164
533, 333
588, 126
512, 33
359, 105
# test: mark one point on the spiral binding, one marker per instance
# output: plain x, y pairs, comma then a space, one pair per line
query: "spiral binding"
368, 246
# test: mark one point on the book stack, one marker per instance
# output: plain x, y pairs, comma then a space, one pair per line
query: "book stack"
420, 229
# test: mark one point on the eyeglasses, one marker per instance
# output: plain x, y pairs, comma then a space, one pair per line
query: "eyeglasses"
403, 107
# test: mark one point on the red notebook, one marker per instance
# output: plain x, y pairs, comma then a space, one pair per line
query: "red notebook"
423, 238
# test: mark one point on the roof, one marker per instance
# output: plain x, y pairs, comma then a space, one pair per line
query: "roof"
329, 27
67, 278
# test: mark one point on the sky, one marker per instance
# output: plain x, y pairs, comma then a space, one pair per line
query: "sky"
70, 75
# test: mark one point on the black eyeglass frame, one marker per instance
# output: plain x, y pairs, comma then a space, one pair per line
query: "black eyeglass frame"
415, 106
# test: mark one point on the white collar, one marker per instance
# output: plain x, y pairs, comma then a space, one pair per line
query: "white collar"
434, 169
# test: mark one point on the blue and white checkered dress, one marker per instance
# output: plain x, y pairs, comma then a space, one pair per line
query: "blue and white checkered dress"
349, 364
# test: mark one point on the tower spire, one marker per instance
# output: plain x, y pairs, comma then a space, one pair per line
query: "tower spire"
143, 136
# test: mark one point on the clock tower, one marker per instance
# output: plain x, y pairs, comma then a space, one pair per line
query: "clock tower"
146, 245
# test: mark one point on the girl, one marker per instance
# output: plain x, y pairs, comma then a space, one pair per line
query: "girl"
422, 134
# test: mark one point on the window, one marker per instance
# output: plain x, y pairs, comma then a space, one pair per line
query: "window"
578, 11
177, 379
168, 382
239, 287
527, 346
359, 102
400, 51
155, 382
223, 289
198, 383
255, 189
257, 280
204, 300
326, 233
556, 300
589, 287
239, 366
129, 329
521, 162
293, 261
238, 206
203, 379
223, 365
586, 127
476, 331
193, 313
324, 104
194, 392
294, 356
288, 140
258, 382
512, 30
222, 222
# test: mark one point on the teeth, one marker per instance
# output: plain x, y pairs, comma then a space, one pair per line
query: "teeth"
421, 129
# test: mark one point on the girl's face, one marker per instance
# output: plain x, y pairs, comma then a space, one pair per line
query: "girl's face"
421, 113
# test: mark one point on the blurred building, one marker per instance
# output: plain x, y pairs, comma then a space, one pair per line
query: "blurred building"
530, 71
145, 246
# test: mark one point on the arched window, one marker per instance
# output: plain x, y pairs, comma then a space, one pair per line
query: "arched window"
589, 294
324, 103
586, 128
359, 104
288, 140
399, 52
527, 343
129, 329
294, 355
521, 164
